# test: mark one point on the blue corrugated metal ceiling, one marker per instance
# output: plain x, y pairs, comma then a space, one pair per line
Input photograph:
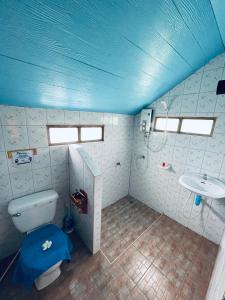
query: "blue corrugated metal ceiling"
114, 56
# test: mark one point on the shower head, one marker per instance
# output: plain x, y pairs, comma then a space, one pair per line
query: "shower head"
164, 104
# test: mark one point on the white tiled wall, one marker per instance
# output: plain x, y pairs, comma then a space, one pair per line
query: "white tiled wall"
22, 128
116, 148
84, 174
196, 96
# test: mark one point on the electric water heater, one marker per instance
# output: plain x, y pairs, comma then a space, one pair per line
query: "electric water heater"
146, 118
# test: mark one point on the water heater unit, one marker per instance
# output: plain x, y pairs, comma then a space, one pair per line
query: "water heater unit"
146, 118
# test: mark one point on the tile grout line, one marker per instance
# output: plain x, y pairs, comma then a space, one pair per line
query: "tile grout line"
131, 243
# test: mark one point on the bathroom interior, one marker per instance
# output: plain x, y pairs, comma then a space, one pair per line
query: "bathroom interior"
112, 149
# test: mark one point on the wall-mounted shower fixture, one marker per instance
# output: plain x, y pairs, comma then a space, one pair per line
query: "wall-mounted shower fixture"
145, 122
146, 128
148, 132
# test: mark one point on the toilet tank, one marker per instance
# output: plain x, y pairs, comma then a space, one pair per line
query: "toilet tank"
32, 211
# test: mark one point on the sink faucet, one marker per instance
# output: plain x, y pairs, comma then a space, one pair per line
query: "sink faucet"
205, 177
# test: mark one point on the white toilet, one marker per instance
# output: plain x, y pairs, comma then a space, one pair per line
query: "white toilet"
29, 213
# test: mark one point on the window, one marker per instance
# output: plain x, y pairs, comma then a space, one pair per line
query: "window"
197, 126
170, 124
192, 125
91, 133
60, 134
63, 135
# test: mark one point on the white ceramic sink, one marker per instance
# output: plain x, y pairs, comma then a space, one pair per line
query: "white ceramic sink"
210, 187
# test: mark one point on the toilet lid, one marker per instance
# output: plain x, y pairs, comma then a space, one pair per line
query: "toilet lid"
34, 260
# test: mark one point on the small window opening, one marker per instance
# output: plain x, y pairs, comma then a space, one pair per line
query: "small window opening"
60, 134
170, 124
186, 125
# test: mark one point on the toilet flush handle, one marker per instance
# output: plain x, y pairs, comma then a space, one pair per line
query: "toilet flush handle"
16, 214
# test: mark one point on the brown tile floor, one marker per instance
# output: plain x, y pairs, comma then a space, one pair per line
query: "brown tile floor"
167, 262
122, 223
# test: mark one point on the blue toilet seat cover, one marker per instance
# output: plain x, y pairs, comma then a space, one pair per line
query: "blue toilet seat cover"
33, 260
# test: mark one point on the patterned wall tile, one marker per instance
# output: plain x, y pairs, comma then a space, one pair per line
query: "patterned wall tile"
220, 104
174, 104
5, 188
195, 158
42, 179
198, 142
60, 173
90, 118
22, 183
3, 164
41, 159
59, 155
216, 143
72, 117
212, 161
36, 116
37, 136
180, 154
15, 137
177, 90
55, 117
206, 102
12, 115
167, 153
192, 83
210, 80
220, 123
189, 168
189, 103
182, 140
